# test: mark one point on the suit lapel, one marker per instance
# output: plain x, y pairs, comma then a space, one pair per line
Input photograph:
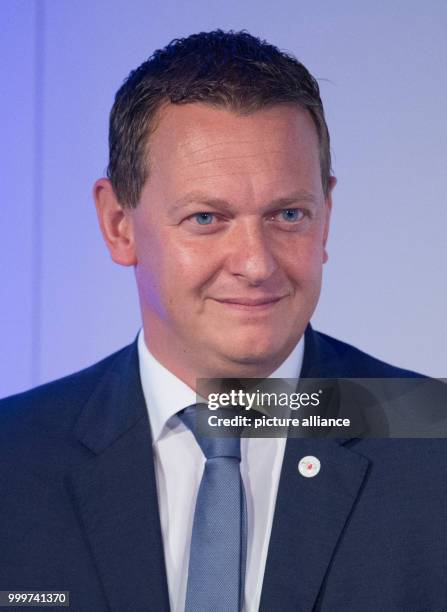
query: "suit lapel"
310, 516
115, 493
311, 513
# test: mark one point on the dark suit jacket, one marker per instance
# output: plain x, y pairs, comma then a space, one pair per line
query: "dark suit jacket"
78, 502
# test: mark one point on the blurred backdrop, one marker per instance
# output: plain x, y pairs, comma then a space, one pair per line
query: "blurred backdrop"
382, 71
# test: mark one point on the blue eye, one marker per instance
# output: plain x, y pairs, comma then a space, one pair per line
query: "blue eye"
204, 218
291, 214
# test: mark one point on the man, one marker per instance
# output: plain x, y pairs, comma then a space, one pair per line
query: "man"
219, 194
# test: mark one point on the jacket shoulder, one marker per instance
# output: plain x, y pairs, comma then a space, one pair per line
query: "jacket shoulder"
355, 363
56, 403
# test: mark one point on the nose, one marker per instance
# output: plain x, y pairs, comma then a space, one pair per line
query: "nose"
251, 255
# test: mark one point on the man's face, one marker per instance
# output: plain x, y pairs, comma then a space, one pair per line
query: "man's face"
229, 238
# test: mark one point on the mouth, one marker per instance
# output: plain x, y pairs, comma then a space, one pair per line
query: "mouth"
250, 304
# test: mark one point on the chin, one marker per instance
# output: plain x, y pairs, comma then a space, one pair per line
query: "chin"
255, 353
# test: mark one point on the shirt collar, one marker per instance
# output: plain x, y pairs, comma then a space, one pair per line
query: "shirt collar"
165, 394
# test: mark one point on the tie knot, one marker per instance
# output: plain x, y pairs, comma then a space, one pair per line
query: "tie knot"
229, 445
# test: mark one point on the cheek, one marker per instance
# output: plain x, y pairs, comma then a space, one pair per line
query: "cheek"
304, 263
189, 266
185, 256
172, 270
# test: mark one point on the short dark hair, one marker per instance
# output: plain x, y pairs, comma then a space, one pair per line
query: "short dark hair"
233, 70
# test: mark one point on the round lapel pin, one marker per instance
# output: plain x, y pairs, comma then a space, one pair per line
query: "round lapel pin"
309, 466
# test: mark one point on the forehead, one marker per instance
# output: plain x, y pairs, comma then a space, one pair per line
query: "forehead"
200, 143
191, 129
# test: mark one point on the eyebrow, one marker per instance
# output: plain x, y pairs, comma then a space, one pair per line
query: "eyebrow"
198, 197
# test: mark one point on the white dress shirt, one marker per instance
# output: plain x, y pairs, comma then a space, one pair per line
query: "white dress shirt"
179, 464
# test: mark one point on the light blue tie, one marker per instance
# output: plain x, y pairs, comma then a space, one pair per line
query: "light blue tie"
216, 572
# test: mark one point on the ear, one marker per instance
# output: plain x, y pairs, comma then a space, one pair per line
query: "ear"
328, 202
115, 224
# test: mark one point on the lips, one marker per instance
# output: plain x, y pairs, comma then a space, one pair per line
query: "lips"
250, 301
250, 305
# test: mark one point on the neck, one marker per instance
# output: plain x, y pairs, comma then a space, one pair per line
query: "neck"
189, 367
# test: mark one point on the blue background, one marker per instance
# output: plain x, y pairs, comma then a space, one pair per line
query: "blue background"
382, 71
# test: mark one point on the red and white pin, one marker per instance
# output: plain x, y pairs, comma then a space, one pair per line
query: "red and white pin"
309, 466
